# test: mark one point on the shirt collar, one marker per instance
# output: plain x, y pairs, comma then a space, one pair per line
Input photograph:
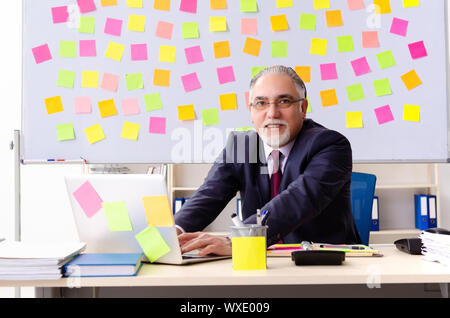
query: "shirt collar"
285, 150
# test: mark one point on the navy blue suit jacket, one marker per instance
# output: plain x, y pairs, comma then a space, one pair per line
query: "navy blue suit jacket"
314, 200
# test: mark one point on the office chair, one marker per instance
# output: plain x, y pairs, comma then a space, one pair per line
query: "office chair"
362, 190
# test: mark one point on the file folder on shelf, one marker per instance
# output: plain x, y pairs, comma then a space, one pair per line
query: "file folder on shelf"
432, 211
375, 225
177, 203
421, 211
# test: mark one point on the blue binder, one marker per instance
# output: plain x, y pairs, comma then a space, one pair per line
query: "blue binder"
421, 211
375, 225
432, 211
177, 204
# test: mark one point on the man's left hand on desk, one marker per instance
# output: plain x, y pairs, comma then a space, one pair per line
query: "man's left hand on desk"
205, 243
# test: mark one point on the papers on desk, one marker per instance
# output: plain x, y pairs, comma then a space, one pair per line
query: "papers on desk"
436, 247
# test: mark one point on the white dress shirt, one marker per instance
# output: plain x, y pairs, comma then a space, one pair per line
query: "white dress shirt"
285, 150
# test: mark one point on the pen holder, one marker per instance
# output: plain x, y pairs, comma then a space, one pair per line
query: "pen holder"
249, 247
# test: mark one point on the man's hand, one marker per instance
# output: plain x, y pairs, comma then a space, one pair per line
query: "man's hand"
205, 243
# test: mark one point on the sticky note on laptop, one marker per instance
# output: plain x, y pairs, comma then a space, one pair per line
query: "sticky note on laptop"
117, 216
88, 198
157, 210
152, 243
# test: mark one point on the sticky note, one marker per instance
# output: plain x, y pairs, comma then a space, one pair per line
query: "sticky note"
88, 48
65, 132
41, 53
218, 4
87, 25
53, 105
130, 106
353, 120
386, 59
193, 54
411, 112
152, 243
189, 6
190, 82
249, 26
360, 66
167, 53
284, 3
247, 128
249, 253
106, 3
210, 117
66, 78
153, 101
134, 81
82, 105
86, 6
157, 210
382, 87
164, 30
225, 74
89, 79
382, 6
370, 39
217, 24
186, 112
157, 125
88, 199
355, 92
139, 52
399, 26
190, 30
384, 114
252, 46
417, 50
355, 4
411, 80
304, 72
279, 49
345, 43
249, 6
334, 18
130, 131
161, 77
67, 49
279, 22
113, 26
328, 71
94, 133
228, 101
136, 23
60, 14
221, 49
307, 21
161, 5
134, 3
115, 51
328, 97
117, 217
318, 47
411, 3
257, 69
321, 4
107, 108
110, 82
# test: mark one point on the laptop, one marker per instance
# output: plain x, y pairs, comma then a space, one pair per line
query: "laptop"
93, 229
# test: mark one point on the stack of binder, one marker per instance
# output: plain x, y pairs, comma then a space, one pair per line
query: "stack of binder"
436, 247
425, 211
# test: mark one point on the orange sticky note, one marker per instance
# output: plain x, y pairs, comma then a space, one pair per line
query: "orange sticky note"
186, 112
279, 22
105, 3
334, 18
411, 80
107, 108
218, 4
328, 97
53, 105
161, 77
252, 46
162, 5
304, 72
157, 210
228, 101
221, 49
382, 6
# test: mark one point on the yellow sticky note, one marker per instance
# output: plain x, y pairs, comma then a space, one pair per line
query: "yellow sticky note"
328, 97
411, 80
334, 18
411, 112
221, 49
304, 72
279, 22
161, 77
218, 4
130, 131
382, 6
249, 253
318, 47
252, 46
167, 53
115, 51
157, 210
186, 112
53, 104
134, 3
228, 101
411, 3
105, 3
94, 133
354, 119
136, 23
89, 79
107, 108
284, 3
321, 4
162, 5
217, 24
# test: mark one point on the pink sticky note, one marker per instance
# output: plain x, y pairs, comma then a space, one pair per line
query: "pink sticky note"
157, 125
328, 71
249, 26
88, 199
360, 66
88, 48
130, 106
384, 114
82, 105
225, 74
164, 30
399, 26
355, 4
247, 98
113, 26
41, 53
417, 50
86, 5
370, 39
190, 82
139, 52
60, 14
188, 6
110, 82
193, 54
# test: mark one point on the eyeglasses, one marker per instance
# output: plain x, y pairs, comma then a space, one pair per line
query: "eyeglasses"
281, 103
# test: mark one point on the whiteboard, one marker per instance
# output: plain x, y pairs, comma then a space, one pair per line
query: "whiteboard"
395, 139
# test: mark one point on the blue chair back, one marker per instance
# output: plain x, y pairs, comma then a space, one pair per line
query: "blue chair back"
362, 189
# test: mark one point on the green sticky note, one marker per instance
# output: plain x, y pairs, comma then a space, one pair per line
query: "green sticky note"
210, 117
67, 49
152, 243
309, 109
355, 92
65, 132
87, 25
279, 49
257, 69
307, 21
247, 128
153, 101
117, 216
190, 30
134, 81
249, 6
386, 59
345, 43
66, 78
382, 87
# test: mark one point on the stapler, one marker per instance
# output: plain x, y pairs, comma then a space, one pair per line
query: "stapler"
310, 256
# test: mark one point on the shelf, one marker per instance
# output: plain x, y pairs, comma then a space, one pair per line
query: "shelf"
184, 188
390, 236
406, 186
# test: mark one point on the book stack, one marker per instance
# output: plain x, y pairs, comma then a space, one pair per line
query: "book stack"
436, 247
35, 261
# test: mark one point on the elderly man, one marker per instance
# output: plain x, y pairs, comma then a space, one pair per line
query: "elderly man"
301, 175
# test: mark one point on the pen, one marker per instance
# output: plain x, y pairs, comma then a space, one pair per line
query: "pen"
350, 247
236, 220
258, 216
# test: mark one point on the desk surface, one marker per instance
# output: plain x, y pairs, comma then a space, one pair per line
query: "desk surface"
394, 267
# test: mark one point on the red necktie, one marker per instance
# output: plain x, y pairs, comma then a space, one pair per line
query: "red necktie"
275, 178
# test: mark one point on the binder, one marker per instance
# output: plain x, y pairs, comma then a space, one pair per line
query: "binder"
421, 211
177, 204
238, 208
432, 211
375, 225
